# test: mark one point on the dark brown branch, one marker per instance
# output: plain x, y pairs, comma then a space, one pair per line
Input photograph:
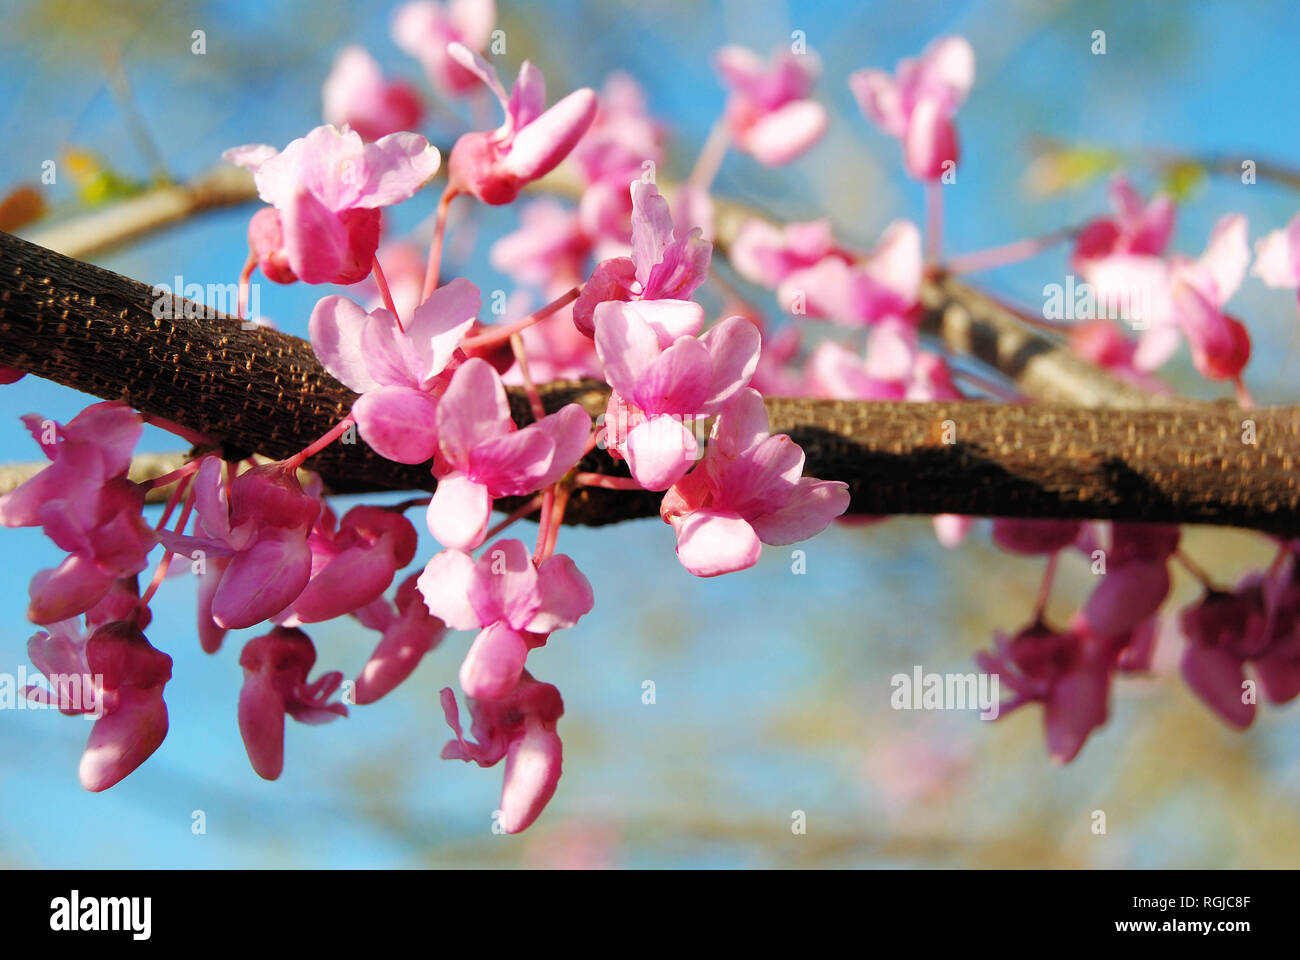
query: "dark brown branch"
262, 391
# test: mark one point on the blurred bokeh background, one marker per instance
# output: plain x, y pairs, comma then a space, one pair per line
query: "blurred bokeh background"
772, 688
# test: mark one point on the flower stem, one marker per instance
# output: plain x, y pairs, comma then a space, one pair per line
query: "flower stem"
308, 452
502, 333
606, 482
521, 358
160, 573
933, 220
245, 276
528, 508
709, 162
384, 292
1007, 253
435, 246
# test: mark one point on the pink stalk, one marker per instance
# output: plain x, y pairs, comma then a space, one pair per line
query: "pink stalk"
528, 508
160, 573
500, 334
1006, 254
607, 482
384, 292
709, 162
244, 276
933, 220
435, 246
308, 452
521, 358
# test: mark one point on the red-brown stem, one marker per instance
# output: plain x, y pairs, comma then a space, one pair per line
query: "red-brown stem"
384, 292
435, 245
500, 334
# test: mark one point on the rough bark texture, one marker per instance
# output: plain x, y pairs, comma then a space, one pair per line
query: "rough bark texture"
256, 390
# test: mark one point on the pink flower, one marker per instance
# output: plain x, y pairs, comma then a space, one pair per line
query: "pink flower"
483, 455
918, 103
547, 251
357, 95
663, 377
514, 605
118, 677
409, 632
1136, 580
622, 137
1255, 624
1277, 256
521, 729
1035, 536
661, 268
884, 283
399, 374
353, 565
748, 490
259, 527
1220, 344
1135, 228
86, 505
1067, 672
495, 165
423, 30
769, 113
766, 254
327, 188
275, 683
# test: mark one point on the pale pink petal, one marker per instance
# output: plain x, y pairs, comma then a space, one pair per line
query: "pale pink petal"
532, 772
539, 147
335, 330
350, 580
398, 423
445, 585
931, 141
505, 585
880, 100
659, 451
397, 166
473, 409
125, 738
565, 592
710, 544
1226, 256
314, 238
669, 319
626, 344
734, 346
1277, 260
782, 135
810, 509
513, 464
495, 661
459, 511
741, 424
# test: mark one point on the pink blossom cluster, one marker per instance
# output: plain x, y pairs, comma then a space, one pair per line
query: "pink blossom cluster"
621, 271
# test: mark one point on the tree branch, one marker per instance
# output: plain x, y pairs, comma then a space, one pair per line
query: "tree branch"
964, 320
263, 391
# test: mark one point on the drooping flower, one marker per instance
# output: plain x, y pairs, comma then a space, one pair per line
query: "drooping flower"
399, 374
424, 30
917, 104
357, 95
116, 676
327, 189
258, 529
770, 113
495, 165
276, 665
663, 377
521, 729
353, 565
513, 604
661, 268
1017, 535
749, 489
1135, 581
482, 454
408, 631
86, 505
